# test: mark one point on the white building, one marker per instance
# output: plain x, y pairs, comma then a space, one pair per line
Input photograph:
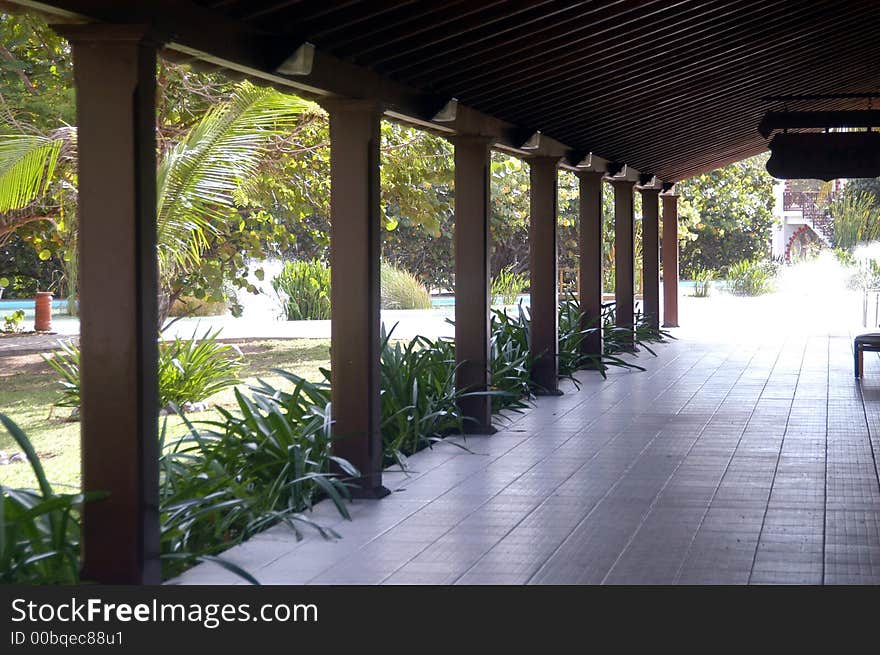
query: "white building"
802, 220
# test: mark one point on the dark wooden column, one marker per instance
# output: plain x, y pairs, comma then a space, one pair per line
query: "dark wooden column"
544, 303
624, 256
670, 259
472, 279
115, 68
590, 248
651, 256
354, 260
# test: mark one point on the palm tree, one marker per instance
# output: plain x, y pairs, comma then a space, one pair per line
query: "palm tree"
196, 178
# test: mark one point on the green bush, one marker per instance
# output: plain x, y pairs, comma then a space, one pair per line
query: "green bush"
229, 479
703, 283
304, 290
507, 285
218, 486
750, 278
402, 290
190, 370
13, 322
419, 398
511, 360
39, 529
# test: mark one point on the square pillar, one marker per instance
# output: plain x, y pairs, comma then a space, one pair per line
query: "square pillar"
590, 253
472, 279
624, 253
115, 69
544, 301
355, 240
670, 259
651, 256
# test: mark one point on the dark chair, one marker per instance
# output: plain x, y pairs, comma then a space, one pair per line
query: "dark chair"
864, 343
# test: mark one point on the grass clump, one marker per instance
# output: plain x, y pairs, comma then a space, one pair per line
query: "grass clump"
402, 290
750, 278
303, 289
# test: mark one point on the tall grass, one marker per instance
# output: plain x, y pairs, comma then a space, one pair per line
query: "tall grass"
402, 290
303, 289
703, 283
750, 278
507, 285
856, 219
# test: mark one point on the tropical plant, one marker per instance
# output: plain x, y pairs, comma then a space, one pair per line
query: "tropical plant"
226, 480
419, 397
511, 360
197, 181
507, 285
13, 322
703, 282
39, 529
190, 370
856, 217
750, 278
402, 290
725, 215
303, 289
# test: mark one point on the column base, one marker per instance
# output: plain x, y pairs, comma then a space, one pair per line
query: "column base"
548, 392
479, 429
670, 325
369, 493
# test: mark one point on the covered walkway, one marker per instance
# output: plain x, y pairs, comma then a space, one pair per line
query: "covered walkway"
727, 462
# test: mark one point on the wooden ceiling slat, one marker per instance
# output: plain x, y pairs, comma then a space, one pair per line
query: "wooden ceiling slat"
673, 87
762, 52
658, 47
489, 46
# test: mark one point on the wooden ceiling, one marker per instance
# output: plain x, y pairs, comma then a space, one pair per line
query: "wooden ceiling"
669, 87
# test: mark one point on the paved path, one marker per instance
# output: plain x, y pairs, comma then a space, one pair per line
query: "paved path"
734, 462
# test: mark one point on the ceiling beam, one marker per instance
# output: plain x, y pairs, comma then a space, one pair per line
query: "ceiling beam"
205, 35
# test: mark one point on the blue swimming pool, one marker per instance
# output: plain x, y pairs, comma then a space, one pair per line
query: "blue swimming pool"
28, 304
449, 301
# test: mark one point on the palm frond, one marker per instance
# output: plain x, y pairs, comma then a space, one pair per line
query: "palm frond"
27, 166
197, 178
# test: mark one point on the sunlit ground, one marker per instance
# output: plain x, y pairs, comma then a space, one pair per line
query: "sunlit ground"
809, 298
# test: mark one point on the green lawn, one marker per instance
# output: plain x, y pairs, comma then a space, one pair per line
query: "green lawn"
28, 387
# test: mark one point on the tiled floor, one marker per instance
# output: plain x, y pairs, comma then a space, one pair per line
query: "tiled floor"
722, 463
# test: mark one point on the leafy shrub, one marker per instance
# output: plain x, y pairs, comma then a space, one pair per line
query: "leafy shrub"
218, 486
511, 360
231, 478
572, 335
419, 398
190, 370
303, 287
703, 283
402, 290
750, 278
66, 364
507, 285
39, 529
13, 322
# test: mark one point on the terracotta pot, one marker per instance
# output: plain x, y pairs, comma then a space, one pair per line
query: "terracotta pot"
43, 313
